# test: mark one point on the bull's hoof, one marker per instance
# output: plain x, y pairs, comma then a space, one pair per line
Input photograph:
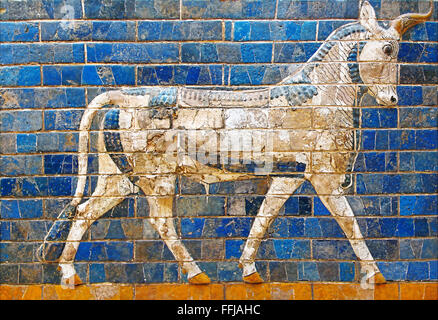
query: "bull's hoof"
71, 282
377, 278
200, 278
253, 278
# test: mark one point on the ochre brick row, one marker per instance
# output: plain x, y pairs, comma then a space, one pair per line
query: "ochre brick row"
272, 291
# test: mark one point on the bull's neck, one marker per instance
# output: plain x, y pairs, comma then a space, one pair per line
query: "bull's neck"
333, 74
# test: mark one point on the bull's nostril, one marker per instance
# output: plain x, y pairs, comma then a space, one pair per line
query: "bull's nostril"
393, 99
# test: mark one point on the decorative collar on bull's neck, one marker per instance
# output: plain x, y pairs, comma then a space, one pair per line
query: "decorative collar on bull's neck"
321, 53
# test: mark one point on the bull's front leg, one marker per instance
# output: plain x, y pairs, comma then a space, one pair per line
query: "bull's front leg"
328, 187
279, 191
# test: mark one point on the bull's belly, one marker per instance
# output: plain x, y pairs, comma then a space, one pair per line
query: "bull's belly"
197, 143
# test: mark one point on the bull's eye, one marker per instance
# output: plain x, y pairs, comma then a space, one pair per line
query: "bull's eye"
387, 49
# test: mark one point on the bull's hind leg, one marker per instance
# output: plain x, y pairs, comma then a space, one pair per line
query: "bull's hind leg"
279, 191
330, 193
160, 192
109, 192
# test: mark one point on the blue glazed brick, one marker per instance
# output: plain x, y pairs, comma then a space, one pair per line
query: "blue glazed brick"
426, 139
228, 27
72, 30
423, 32
374, 205
30, 274
108, 75
60, 186
20, 121
17, 252
330, 228
418, 117
5, 230
418, 183
292, 249
119, 251
253, 9
62, 75
179, 30
368, 140
8, 274
418, 52
409, 96
319, 208
418, 161
433, 270
383, 139
312, 228
279, 228
227, 227
228, 271
200, 206
294, 52
97, 272
20, 76
383, 249
421, 227
132, 52
21, 209
91, 251
18, 31
328, 270
160, 272
298, 206
347, 271
318, 9
274, 30
136, 9
42, 53
181, 74
308, 271
405, 227
113, 30
418, 74
394, 270
325, 28
379, 118
26, 142
20, 165
332, 249
57, 141
62, 119
46, 10
28, 230
417, 271
59, 164
192, 228
418, 205
233, 248
266, 250
226, 52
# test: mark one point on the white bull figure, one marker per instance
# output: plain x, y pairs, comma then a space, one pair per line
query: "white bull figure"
304, 128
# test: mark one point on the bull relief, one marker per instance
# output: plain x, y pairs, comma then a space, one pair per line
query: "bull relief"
305, 128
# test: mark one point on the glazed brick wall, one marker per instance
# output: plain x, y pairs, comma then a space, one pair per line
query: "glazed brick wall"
51, 68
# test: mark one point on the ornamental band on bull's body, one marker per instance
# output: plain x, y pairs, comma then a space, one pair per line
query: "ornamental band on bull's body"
303, 128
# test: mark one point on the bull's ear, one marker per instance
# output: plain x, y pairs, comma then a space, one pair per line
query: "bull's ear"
367, 17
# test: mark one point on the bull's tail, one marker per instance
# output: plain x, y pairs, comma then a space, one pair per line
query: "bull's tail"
51, 251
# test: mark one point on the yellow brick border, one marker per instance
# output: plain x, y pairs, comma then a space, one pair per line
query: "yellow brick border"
224, 291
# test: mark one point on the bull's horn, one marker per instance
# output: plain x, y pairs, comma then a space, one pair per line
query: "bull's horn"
408, 20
